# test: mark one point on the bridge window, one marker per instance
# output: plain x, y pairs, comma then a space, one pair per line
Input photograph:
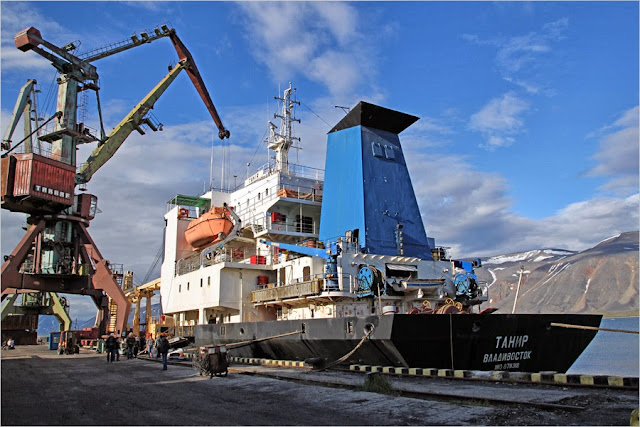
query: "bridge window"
377, 149
389, 153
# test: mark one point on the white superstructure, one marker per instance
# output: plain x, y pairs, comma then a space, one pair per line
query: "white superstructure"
280, 202
269, 266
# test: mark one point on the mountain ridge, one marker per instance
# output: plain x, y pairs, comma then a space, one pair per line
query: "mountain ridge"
600, 279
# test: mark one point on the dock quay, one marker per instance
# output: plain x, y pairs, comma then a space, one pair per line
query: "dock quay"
40, 387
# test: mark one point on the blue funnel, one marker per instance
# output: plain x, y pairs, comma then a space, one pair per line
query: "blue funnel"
367, 185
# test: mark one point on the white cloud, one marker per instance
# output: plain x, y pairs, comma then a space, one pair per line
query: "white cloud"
17, 16
319, 40
519, 57
471, 212
618, 154
500, 119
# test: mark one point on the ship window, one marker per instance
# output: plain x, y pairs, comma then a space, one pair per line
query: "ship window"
188, 283
179, 288
259, 196
377, 149
38, 187
349, 327
266, 192
201, 280
389, 153
208, 281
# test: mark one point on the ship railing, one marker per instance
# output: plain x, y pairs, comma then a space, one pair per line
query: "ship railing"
266, 224
306, 287
295, 290
290, 169
247, 209
244, 255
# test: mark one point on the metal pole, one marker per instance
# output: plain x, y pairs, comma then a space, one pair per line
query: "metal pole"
515, 301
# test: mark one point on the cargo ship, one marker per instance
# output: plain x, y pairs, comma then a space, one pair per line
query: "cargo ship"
330, 265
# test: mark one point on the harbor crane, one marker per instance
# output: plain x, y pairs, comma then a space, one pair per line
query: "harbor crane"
57, 254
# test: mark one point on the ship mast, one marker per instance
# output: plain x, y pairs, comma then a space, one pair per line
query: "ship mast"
282, 141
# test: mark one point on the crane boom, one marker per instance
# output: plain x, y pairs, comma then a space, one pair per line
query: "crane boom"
107, 148
21, 103
111, 49
196, 79
136, 117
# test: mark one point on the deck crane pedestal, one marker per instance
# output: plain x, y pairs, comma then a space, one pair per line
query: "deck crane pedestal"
57, 254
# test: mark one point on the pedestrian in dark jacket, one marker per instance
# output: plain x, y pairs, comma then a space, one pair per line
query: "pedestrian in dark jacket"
131, 342
111, 346
142, 344
163, 349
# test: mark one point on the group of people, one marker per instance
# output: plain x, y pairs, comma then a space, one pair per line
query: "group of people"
132, 345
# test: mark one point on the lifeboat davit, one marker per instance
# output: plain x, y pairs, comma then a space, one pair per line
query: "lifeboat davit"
210, 228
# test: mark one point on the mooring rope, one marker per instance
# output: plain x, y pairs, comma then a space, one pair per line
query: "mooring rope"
245, 343
346, 356
593, 328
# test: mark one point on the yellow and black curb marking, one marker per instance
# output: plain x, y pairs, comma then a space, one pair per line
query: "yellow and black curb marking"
269, 362
543, 378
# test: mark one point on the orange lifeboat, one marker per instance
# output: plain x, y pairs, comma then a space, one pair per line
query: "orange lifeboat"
210, 228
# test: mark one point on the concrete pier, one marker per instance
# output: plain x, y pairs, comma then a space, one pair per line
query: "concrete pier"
40, 387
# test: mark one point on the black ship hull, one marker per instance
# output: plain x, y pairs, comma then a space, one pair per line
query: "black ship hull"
485, 342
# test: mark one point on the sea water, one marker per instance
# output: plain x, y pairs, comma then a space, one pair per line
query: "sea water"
611, 353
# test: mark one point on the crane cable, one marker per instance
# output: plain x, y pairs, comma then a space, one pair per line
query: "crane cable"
57, 114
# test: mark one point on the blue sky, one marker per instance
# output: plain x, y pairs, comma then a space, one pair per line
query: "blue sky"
528, 135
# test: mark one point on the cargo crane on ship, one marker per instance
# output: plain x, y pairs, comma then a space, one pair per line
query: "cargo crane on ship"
57, 254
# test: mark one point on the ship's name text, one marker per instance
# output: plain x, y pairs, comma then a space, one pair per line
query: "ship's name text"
512, 341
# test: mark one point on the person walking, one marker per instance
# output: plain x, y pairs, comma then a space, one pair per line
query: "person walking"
111, 346
142, 344
163, 349
158, 339
131, 341
150, 344
120, 346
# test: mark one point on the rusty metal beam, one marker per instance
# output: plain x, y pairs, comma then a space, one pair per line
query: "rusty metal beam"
11, 276
103, 280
